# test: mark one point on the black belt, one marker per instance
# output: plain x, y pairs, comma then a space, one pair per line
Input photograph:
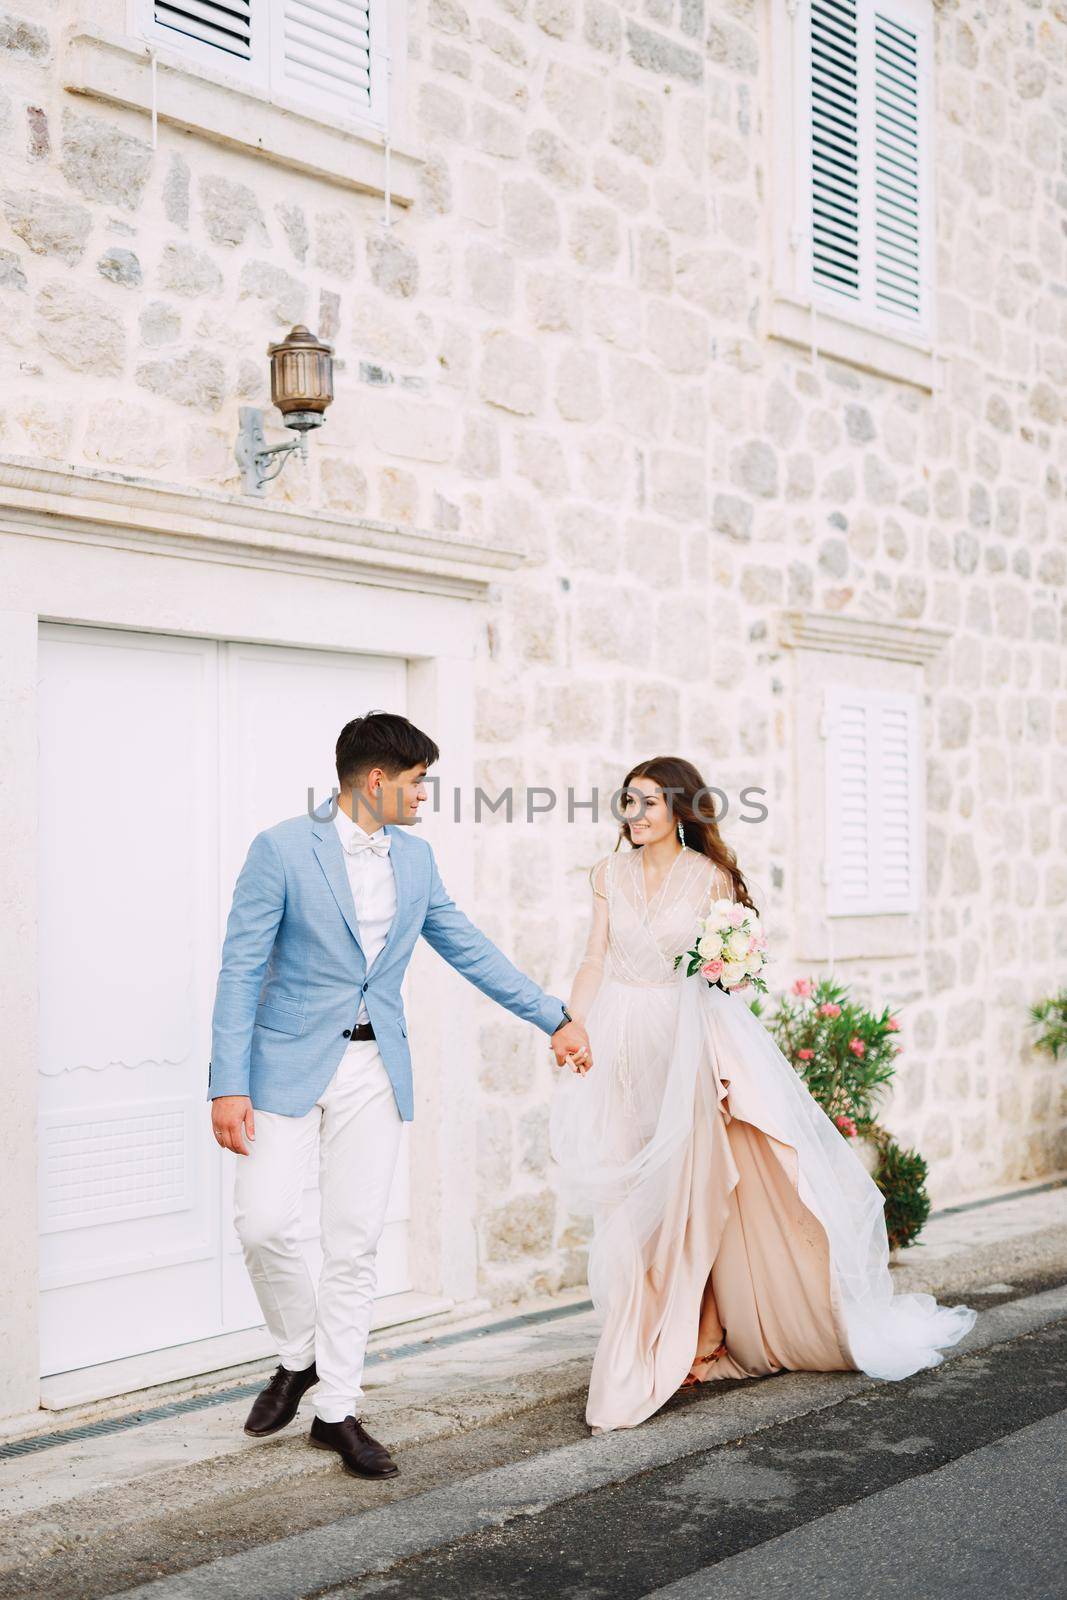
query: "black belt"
362, 1030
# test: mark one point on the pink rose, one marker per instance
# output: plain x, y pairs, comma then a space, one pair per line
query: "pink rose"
857, 1047
806, 1055
829, 1009
847, 1126
803, 988
712, 970
893, 1026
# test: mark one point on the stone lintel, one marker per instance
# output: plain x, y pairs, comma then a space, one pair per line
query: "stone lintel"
108, 508
863, 636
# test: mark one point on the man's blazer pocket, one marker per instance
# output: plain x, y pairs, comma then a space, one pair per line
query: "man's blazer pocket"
283, 1019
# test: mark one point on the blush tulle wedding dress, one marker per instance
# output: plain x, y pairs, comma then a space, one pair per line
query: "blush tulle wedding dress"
732, 1222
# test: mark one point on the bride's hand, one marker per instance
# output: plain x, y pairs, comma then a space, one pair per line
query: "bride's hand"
581, 1059
570, 1047
568, 1040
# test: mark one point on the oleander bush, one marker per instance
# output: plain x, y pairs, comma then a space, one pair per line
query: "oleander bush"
846, 1055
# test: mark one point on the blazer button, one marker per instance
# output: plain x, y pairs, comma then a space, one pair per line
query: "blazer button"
347, 1034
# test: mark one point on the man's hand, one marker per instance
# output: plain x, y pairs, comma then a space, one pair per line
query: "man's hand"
231, 1119
571, 1039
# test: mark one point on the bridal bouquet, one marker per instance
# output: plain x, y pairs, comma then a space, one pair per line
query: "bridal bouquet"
730, 948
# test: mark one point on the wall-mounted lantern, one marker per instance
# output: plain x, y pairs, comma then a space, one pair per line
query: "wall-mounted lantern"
301, 386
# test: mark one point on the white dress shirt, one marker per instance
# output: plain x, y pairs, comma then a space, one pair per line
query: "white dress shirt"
373, 886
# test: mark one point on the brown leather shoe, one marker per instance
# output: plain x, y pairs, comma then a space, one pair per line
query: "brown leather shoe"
276, 1406
361, 1455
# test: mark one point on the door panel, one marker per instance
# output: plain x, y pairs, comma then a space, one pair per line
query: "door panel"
128, 886
159, 759
283, 710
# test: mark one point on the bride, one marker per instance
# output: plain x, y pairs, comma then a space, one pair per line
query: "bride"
735, 1232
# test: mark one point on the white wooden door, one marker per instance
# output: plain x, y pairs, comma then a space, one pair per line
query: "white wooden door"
267, 777
159, 759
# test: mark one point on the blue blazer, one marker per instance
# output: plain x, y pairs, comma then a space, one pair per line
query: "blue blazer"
293, 972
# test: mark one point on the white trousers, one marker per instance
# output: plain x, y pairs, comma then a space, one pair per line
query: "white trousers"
356, 1126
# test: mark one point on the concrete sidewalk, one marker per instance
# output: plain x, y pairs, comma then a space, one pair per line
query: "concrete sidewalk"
90, 1474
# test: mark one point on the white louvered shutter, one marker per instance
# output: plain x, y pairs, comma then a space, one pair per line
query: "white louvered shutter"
321, 52
897, 172
222, 27
873, 847
326, 55
229, 36
866, 129
835, 147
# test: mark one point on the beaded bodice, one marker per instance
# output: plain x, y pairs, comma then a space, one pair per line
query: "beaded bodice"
646, 931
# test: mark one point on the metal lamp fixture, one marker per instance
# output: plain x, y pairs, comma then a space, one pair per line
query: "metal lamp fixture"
301, 386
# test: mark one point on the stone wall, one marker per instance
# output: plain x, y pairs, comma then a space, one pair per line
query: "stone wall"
560, 348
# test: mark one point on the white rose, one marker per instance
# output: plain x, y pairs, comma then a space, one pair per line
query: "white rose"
736, 948
710, 946
733, 972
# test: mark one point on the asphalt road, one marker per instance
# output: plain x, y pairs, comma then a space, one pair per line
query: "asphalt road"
830, 1485
950, 1484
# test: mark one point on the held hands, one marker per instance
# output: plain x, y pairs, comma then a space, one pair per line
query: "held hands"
231, 1119
570, 1045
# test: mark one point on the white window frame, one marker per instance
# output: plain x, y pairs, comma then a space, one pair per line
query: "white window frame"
794, 282
872, 746
265, 70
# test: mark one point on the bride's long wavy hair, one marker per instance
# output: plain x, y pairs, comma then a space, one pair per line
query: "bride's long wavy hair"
686, 794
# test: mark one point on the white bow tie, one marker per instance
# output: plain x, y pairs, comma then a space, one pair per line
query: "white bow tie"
359, 842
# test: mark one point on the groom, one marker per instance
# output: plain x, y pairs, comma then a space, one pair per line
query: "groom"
310, 1056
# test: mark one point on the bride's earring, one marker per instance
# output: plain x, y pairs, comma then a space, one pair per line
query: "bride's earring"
681, 834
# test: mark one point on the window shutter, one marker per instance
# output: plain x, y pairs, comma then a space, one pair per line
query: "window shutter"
898, 274
329, 56
219, 25
322, 49
835, 188
872, 802
866, 68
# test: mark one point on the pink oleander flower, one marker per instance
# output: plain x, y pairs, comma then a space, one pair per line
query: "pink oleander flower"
712, 970
806, 1055
857, 1047
829, 1009
803, 988
847, 1126
893, 1026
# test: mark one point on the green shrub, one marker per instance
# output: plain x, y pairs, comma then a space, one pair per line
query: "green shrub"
846, 1056
1050, 1016
901, 1176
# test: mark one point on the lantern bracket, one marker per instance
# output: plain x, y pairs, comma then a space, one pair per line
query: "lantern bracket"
301, 387
255, 456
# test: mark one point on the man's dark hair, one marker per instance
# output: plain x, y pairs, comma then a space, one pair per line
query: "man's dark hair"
381, 739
